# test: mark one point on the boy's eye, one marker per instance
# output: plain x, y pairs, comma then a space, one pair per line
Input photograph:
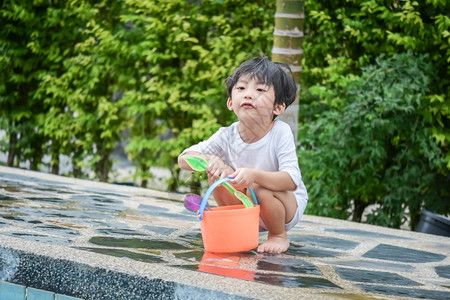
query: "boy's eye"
240, 87
261, 90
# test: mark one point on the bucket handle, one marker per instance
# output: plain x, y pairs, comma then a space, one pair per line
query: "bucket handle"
208, 193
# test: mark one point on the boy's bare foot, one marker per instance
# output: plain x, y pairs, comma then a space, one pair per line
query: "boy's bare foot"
274, 244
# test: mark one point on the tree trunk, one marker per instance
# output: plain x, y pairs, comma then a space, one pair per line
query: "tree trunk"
358, 210
287, 48
144, 169
103, 166
173, 182
76, 158
55, 162
11, 150
35, 161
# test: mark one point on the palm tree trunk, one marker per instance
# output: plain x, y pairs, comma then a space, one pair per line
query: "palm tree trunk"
287, 48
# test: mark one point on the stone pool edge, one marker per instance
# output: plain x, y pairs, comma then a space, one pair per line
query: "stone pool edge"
70, 271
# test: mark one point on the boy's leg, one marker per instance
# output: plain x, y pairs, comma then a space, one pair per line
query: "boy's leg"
277, 209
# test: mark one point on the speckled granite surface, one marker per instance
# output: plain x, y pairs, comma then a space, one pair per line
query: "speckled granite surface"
102, 241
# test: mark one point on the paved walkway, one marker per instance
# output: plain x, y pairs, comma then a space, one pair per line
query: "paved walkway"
102, 241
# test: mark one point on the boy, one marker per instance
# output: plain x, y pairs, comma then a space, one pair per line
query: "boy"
258, 151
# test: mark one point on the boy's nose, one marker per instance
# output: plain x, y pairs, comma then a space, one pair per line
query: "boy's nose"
249, 94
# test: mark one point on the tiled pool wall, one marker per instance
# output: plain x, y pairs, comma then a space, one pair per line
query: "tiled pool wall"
11, 291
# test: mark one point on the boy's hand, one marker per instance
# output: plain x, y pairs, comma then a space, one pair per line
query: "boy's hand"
243, 178
217, 168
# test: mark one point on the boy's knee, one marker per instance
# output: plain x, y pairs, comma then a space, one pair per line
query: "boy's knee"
261, 193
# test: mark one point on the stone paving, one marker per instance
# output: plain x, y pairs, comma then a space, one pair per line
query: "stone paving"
95, 240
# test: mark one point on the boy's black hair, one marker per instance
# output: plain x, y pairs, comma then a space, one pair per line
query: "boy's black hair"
274, 74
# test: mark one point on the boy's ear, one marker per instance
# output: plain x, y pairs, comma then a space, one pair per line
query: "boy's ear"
230, 104
279, 109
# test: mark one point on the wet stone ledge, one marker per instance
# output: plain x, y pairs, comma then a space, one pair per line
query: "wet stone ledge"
83, 281
102, 241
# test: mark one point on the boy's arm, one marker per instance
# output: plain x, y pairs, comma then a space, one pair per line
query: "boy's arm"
274, 181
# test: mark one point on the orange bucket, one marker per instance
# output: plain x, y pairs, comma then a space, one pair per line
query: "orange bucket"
230, 228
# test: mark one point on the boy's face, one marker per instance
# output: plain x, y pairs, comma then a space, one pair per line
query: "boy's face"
253, 101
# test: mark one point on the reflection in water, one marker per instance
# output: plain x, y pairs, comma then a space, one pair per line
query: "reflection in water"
287, 265
135, 243
305, 251
124, 253
213, 263
241, 266
252, 261
234, 273
193, 256
225, 259
193, 238
295, 281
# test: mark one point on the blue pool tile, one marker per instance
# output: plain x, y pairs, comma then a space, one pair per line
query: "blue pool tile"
11, 291
35, 294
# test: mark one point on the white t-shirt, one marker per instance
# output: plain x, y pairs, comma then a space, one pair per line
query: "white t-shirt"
274, 152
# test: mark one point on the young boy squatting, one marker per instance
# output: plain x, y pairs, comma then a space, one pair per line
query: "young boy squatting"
258, 151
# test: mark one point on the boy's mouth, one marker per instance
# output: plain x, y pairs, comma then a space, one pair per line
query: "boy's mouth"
247, 105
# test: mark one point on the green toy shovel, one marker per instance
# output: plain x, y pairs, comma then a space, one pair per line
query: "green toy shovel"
200, 164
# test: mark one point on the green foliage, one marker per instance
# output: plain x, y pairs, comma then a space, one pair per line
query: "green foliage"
343, 36
19, 72
74, 75
86, 114
185, 51
342, 39
377, 146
